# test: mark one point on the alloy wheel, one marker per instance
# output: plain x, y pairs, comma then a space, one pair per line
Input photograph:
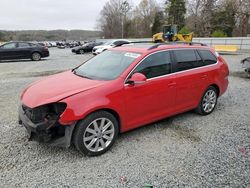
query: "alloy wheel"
98, 134
36, 56
209, 101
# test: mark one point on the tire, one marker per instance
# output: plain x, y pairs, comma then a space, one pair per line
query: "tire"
208, 101
36, 56
81, 51
89, 135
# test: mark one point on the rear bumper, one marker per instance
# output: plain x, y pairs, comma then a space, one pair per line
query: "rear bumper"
45, 54
55, 135
224, 86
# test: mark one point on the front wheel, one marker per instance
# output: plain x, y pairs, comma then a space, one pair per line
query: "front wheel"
208, 101
96, 134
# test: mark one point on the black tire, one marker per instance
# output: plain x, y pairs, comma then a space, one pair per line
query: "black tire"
81, 131
36, 56
201, 109
81, 51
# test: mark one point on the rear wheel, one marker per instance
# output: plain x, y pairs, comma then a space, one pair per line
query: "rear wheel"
208, 101
96, 134
81, 52
36, 56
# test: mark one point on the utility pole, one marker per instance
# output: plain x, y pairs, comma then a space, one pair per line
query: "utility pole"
124, 10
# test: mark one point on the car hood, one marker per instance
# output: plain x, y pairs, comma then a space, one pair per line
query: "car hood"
55, 88
103, 46
77, 48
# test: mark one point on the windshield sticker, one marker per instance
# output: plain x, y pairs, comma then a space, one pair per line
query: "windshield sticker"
133, 55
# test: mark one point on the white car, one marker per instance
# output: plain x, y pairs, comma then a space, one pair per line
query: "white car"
111, 44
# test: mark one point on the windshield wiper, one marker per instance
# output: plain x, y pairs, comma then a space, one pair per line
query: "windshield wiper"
83, 76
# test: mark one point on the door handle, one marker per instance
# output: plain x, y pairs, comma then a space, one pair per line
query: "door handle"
171, 84
204, 76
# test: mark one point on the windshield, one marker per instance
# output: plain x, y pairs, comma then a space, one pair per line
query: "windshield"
107, 65
108, 43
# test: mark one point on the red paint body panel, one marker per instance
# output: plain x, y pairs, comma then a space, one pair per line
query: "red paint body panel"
136, 105
55, 88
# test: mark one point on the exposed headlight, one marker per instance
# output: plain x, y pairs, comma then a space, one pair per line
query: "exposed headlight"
45, 113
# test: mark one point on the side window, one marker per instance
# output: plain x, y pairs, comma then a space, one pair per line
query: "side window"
116, 43
157, 64
120, 42
208, 57
187, 59
35, 45
10, 45
23, 45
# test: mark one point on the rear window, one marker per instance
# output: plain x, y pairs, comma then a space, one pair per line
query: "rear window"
187, 59
208, 57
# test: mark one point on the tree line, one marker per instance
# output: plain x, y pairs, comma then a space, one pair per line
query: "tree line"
53, 35
206, 18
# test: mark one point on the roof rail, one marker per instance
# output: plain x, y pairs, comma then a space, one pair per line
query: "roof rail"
178, 42
135, 42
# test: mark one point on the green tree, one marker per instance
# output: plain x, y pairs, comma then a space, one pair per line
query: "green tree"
218, 33
224, 18
2, 35
184, 31
175, 11
158, 22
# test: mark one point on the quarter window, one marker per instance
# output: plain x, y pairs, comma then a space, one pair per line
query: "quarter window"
187, 59
208, 57
158, 64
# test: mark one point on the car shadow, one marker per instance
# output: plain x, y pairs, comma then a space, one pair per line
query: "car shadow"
136, 135
184, 132
20, 61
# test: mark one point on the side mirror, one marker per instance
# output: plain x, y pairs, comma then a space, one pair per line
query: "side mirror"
137, 78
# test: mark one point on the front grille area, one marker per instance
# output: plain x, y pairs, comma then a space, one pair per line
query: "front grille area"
36, 115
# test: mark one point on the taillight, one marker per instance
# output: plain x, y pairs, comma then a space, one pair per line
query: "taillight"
45, 48
224, 67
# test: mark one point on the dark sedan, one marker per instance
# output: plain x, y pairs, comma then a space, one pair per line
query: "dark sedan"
23, 50
86, 47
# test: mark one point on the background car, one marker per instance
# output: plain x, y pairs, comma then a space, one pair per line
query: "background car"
86, 47
111, 44
23, 50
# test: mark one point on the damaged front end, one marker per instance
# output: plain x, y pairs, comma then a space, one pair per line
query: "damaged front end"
246, 65
42, 124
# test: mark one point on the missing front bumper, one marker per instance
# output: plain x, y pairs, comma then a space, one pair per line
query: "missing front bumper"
56, 135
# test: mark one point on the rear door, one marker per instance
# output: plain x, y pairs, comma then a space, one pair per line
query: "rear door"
191, 78
155, 98
24, 50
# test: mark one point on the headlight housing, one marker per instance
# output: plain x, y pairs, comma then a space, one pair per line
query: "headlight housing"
45, 113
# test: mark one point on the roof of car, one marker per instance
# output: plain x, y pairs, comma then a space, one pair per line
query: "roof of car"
151, 47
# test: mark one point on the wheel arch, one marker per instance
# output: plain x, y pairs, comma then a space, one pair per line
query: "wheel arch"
111, 111
216, 87
36, 51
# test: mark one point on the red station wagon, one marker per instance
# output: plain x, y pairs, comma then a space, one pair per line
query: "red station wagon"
120, 90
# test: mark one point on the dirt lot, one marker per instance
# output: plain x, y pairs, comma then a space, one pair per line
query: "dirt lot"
187, 150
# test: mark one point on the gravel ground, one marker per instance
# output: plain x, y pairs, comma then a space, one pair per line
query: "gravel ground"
187, 150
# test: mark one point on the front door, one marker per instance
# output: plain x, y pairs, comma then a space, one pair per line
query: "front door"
8, 51
155, 98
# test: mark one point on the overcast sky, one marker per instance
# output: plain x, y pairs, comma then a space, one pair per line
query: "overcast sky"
50, 14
